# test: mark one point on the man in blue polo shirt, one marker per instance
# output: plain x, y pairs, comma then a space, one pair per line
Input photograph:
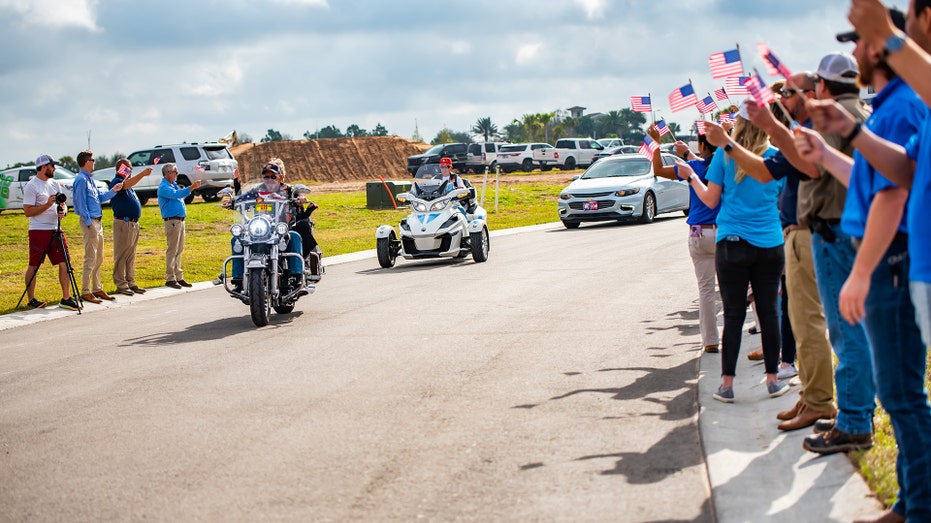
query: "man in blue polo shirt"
171, 204
87, 200
877, 292
126, 213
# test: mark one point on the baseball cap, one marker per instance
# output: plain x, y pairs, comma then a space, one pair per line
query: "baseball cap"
45, 160
898, 19
272, 167
446, 161
839, 67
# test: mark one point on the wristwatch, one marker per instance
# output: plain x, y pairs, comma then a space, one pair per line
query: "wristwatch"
894, 43
729, 146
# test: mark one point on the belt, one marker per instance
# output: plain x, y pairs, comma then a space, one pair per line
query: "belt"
706, 225
127, 219
97, 219
179, 218
900, 237
793, 227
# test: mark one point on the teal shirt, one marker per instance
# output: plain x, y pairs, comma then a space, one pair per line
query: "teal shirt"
749, 209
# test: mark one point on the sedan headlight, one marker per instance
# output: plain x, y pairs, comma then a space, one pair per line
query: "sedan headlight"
626, 192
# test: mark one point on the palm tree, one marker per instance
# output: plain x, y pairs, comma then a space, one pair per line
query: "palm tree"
485, 127
613, 123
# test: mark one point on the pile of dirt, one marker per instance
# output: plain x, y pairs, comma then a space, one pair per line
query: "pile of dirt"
330, 160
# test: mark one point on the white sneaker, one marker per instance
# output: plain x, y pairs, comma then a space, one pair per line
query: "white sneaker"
787, 371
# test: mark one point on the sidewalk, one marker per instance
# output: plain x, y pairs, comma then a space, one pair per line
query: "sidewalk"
759, 473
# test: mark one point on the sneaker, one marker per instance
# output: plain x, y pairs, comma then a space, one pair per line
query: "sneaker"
725, 394
777, 388
787, 371
35, 304
835, 440
70, 304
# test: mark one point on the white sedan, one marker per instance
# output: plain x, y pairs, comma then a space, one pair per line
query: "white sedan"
621, 187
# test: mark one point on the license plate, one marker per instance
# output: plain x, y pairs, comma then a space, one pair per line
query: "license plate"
590, 206
264, 207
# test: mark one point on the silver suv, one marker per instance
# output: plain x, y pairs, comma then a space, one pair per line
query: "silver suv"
210, 162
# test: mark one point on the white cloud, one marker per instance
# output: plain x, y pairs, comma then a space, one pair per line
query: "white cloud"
55, 13
211, 80
527, 53
461, 47
594, 9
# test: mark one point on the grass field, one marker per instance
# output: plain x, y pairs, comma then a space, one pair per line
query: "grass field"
343, 224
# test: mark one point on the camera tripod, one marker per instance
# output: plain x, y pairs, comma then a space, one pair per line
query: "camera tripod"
60, 238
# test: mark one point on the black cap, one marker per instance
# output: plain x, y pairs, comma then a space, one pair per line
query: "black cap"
898, 20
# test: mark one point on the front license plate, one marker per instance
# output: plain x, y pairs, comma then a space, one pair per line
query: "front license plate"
589, 206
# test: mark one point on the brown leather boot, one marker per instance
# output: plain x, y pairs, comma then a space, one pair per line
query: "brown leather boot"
806, 417
791, 413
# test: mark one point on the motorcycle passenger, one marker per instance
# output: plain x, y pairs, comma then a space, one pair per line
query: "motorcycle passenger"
271, 184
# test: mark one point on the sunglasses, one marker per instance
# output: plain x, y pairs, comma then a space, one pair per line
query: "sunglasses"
270, 177
789, 93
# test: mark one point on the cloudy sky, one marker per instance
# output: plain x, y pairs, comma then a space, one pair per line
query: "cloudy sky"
129, 74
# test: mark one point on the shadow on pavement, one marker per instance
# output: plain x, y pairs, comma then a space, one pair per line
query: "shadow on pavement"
208, 331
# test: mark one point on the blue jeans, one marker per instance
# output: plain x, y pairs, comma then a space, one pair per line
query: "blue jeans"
294, 245
899, 358
853, 375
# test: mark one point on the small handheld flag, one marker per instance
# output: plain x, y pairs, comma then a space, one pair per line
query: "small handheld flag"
736, 85
706, 105
774, 66
641, 104
648, 148
725, 64
682, 98
761, 94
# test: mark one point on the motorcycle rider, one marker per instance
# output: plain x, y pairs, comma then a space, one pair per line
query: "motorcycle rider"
454, 181
271, 184
300, 221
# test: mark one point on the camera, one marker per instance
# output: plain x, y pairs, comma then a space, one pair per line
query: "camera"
60, 199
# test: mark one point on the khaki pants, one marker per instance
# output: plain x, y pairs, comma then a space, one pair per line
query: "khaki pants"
93, 257
174, 232
815, 366
125, 238
702, 252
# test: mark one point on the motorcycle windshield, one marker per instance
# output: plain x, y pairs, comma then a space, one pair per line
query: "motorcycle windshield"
429, 182
256, 199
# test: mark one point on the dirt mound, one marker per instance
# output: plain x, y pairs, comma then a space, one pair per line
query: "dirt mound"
332, 159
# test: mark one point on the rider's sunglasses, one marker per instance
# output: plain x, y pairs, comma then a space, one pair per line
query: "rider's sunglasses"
270, 177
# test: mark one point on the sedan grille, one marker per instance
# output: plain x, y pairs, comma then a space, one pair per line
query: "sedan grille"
602, 204
593, 195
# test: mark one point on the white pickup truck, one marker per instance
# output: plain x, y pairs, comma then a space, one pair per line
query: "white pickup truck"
568, 154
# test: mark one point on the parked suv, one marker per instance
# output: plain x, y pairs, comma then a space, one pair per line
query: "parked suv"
512, 157
457, 152
210, 162
482, 155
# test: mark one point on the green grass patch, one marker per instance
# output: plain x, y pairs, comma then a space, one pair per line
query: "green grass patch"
343, 225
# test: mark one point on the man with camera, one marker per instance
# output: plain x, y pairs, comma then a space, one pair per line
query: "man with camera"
44, 205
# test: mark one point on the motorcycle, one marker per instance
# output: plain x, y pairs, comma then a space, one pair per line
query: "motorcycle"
443, 223
260, 240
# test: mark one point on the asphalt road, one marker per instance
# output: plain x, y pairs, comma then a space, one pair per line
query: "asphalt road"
555, 382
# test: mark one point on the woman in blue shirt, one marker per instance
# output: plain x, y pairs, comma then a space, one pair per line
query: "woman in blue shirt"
749, 250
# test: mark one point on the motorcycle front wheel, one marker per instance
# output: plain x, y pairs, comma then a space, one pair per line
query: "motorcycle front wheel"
259, 297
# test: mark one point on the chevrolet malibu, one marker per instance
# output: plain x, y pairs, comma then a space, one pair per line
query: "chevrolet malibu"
621, 187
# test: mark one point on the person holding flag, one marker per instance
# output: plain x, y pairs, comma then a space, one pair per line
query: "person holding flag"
127, 210
702, 233
748, 250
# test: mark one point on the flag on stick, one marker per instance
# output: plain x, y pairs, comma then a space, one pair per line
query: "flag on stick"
662, 127
737, 85
700, 126
774, 66
706, 105
682, 98
641, 104
725, 64
720, 94
760, 92
648, 148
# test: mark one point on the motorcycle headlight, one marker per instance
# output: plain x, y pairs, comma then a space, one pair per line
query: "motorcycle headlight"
626, 192
420, 207
440, 205
281, 228
236, 230
259, 227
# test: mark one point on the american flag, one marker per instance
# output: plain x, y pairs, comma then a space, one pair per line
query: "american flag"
648, 148
124, 170
706, 105
736, 85
641, 104
720, 94
773, 65
662, 127
725, 117
156, 160
725, 64
700, 126
760, 92
682, 98
198, 168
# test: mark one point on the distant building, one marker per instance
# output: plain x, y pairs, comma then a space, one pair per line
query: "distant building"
576, 112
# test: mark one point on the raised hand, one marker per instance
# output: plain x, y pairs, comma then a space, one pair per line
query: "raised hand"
829, 117
809, 145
